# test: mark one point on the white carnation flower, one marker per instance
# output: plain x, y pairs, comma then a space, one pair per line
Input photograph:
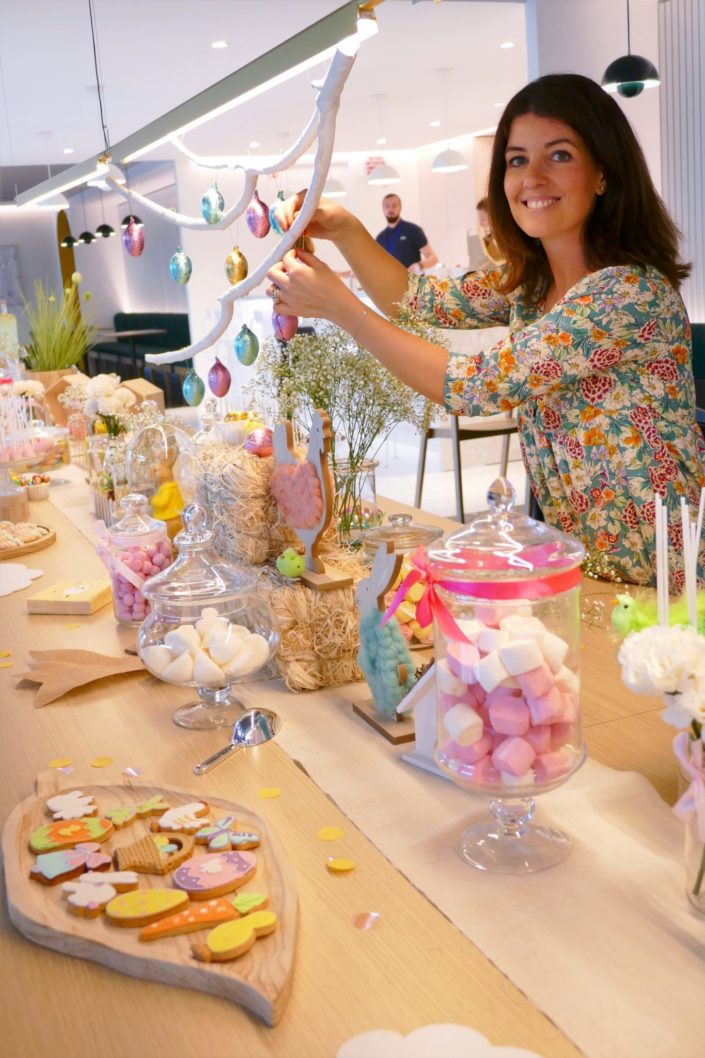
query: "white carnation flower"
125, 397
659, 660
110, 405
28, 387
102, 385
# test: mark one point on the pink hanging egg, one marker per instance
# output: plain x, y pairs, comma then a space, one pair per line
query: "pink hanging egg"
284, 326
219, 378
257, 217
133, 237
259, 442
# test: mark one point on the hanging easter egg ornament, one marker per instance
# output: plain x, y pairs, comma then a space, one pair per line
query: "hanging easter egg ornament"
284, 326
180, 267
273, 220
212, 205
133, 237
235, 266
246, 346
257, 217
193, 389
219, 378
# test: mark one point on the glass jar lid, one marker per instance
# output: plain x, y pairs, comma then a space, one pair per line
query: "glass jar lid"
199, 574
404, 534
503, 544
135, 521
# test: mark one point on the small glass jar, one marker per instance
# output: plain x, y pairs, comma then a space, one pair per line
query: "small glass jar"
134, 549
507, 624
355, 507
161, 464
209, 628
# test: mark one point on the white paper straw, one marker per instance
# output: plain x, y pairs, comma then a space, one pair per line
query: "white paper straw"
661, 563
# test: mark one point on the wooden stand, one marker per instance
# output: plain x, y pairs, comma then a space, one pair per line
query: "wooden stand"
396, 731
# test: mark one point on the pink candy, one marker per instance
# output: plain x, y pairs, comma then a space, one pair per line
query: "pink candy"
462, 659
129, 603
509, 716
514, 755
550, 766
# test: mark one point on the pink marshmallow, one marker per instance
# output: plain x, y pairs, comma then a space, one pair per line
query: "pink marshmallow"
485, 773
509, 716
447, 701
550, 766
570, 707
448, 681
501, 692
468, 754
462, 659
560, 734
539, 738
514, 755
490, 615
546, 708
536, 681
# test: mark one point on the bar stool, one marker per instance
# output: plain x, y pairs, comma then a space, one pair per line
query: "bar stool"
472, 429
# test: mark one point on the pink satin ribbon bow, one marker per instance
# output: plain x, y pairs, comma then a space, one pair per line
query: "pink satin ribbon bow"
690, 758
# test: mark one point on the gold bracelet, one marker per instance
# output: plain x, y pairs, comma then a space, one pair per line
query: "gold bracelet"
359, 326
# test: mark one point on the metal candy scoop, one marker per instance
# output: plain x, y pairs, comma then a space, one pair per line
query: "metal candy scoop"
252, 728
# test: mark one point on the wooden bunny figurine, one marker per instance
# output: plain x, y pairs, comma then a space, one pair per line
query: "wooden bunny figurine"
383, 656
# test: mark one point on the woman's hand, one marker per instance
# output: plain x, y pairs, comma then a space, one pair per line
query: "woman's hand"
304, 286
330, 221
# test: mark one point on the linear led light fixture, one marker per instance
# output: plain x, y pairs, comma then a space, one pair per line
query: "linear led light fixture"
343, 29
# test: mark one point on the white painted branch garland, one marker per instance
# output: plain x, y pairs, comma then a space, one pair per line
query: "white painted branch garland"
283, 162
323, 123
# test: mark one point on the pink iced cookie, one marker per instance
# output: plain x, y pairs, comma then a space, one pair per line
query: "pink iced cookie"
462, 659
536, 681
509, 716
546, 708
550, 766
214, 873
514, 755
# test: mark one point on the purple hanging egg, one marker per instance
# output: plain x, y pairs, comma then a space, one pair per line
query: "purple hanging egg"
133, 237
219, 378
257, 217
284, 326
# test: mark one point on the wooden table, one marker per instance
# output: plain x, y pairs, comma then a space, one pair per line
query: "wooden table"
413, 968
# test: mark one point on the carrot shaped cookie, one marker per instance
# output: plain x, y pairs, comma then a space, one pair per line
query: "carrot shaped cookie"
234, 938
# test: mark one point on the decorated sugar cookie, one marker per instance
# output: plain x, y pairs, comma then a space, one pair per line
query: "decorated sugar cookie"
234, 938
124, 814
215, 873
186, 818
202, 915
225, 834
72, 805
144, 906
92, 892
155, 853
53, 867
246, 903
69, 833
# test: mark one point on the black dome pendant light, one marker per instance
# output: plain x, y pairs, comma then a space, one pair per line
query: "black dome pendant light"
630, 74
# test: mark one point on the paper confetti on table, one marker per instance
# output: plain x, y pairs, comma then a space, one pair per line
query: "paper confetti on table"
339, 865
60, 762
366, 919
5, 653
101, 762
6, 664
68, 769
132, 773
72, 626
329, 833
269, 792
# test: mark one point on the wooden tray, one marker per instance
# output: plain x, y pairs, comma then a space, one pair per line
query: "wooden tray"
34, 545
260, 980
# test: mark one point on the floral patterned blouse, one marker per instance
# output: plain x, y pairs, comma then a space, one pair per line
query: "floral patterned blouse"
603, 384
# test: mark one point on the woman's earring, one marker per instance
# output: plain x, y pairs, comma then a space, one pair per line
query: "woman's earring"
602, 187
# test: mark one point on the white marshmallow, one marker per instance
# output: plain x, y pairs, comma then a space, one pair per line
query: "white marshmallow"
217, 632
208, 616
463, 724
259, 645
156, 658
471, 627
555, 650
520, 627
448, 681
490, 671
180, 670
491, 639
252, 655
224, 650
527, 779
185, 637
566, 680
206, 671
521, 655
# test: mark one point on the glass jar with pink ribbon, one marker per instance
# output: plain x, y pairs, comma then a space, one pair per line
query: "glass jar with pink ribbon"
503, 593
134, 549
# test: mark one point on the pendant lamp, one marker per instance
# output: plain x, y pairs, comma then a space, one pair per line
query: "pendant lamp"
334, 188
630, 74
382, 175
449, 160
86, 237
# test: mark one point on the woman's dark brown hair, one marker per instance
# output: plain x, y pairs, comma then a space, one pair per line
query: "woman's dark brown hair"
629, 223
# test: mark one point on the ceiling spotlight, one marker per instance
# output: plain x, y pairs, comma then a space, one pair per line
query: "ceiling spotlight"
630, 74
382, 175
435, 124
217, 44
254, 144
68, 150
507, 44
381, 141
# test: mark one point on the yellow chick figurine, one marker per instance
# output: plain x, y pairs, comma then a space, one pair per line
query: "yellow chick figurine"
167, 504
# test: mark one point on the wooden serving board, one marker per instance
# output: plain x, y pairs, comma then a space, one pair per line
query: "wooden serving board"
259, 980
33, 545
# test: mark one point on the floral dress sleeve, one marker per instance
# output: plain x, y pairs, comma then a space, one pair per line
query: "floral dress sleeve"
472, 301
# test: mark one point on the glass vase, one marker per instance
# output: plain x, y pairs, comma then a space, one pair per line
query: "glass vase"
355, 508
694, 853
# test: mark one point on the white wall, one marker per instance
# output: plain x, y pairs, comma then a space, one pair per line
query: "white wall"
33, 233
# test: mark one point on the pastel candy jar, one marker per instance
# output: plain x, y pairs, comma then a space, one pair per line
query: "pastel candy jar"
506, 626
134, 548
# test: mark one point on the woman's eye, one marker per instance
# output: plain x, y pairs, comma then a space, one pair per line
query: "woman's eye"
515, 161
561, 156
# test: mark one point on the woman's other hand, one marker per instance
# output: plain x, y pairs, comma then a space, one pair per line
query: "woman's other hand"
305, 286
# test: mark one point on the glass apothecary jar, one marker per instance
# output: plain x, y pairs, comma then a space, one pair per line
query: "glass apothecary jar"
161, 464
507, 625
133, 549
209, 626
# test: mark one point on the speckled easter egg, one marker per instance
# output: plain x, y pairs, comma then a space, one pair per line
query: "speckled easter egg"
212, 205
259, 442
246, 345
180, 267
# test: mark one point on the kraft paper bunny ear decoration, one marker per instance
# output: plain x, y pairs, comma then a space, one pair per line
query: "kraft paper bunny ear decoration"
60, 671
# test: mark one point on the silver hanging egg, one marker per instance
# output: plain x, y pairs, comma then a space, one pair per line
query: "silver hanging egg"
273, 220
193, 389
219, 378
180, 267
284, 326
212, 205
235, 266
246, 346
257, 217
133, 237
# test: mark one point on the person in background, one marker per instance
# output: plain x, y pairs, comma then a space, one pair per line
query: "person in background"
403, 240
598, 356
482, 249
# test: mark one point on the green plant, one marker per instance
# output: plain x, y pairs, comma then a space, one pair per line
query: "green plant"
58, 336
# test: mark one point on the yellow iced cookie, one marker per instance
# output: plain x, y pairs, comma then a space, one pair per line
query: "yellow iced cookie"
234, 938
144, 906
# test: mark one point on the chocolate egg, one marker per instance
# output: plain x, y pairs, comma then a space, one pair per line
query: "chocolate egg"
193, 389
180, 267
259, 442
133, 237
284, 326
219, 378
235, 266
212, 205
246, 346
257, 217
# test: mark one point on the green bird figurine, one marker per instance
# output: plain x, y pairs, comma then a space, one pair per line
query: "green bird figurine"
633, 614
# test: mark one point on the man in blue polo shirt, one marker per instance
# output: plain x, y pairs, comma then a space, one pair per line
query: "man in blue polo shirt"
403, 240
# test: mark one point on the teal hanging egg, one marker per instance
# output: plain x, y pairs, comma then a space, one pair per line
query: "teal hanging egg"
193, 389
235, 266
276, 226
246, 346
212, 205
180, 267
